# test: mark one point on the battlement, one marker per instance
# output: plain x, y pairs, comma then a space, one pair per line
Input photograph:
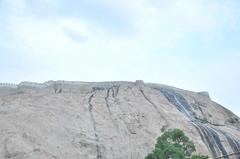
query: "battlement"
62, 82
8, 85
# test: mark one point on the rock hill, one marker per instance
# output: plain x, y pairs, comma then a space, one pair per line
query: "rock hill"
108, 120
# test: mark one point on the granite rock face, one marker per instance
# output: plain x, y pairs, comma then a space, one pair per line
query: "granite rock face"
108, 120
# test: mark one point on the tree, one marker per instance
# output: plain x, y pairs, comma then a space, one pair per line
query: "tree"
174, 144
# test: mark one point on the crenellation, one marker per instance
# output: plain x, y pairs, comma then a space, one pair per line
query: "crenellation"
62, 82
10, 85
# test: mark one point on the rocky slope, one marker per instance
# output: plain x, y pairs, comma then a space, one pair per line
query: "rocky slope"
108, 120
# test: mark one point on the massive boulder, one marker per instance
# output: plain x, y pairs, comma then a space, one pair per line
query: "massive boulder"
108, 120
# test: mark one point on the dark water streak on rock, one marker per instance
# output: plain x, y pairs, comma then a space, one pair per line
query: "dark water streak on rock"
209, 134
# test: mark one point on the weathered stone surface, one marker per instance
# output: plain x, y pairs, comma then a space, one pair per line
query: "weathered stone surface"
108, 120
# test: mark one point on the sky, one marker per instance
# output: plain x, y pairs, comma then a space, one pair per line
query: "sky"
194, 45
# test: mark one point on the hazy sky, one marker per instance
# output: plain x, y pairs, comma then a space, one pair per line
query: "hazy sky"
191, 44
